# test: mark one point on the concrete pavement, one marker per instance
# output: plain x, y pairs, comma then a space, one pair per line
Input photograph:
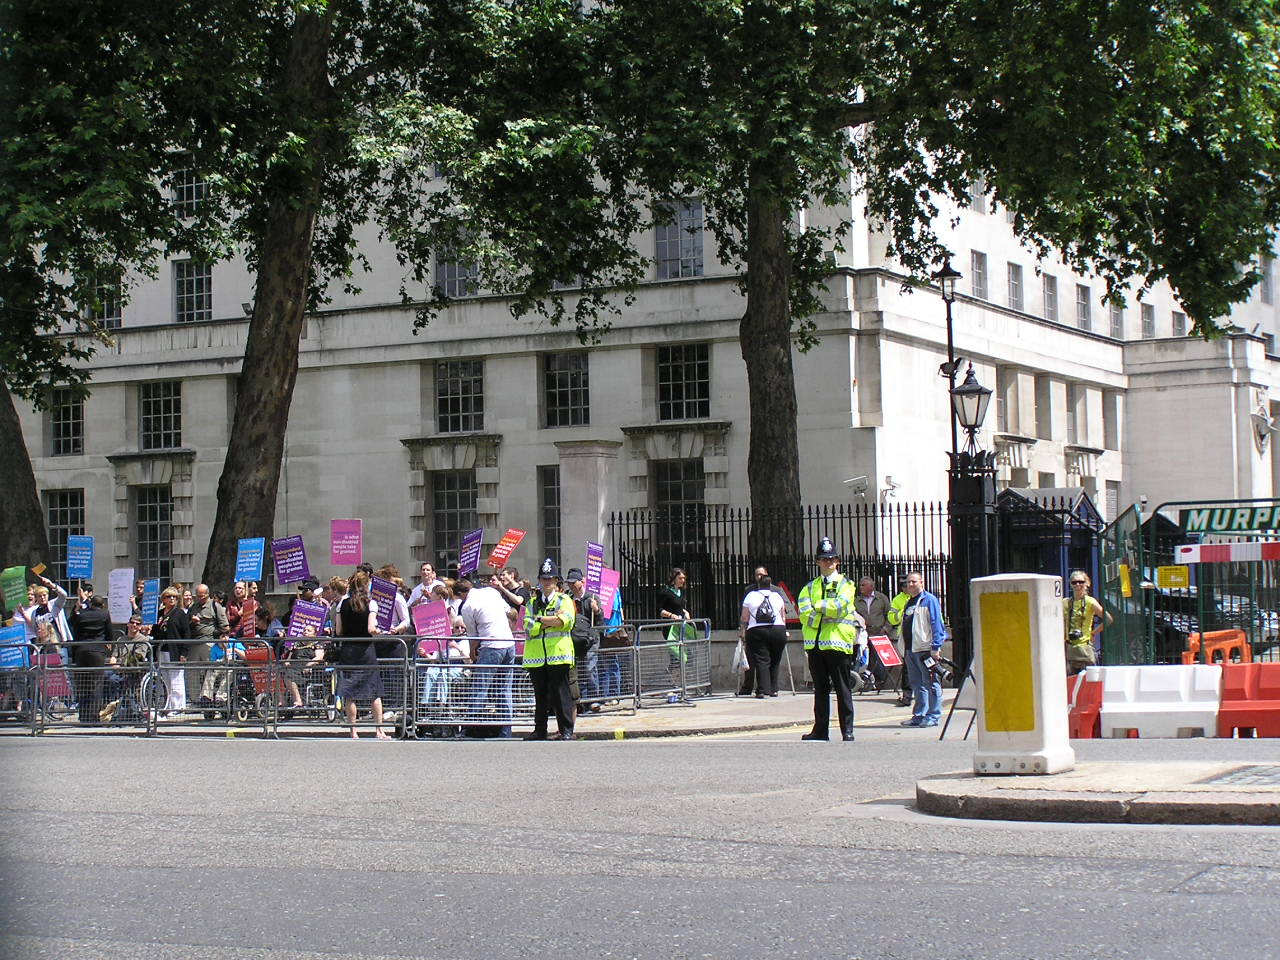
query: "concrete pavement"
1094, 792
1244, 793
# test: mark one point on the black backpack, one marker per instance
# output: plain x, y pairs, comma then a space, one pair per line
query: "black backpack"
764, 612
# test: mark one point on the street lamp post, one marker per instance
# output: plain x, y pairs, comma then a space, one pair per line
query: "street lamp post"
972, 511
946, 278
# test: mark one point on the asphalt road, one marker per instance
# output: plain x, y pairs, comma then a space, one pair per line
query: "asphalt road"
756, 846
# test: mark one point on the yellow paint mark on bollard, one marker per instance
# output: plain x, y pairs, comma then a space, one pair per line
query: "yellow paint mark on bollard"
619, 734
1007, 690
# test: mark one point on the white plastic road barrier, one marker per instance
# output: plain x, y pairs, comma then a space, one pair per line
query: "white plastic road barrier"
1166, 700
1020, 668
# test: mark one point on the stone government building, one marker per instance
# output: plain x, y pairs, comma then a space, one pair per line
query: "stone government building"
484, 420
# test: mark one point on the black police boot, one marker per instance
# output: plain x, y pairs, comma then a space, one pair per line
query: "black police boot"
815, 735
846, 729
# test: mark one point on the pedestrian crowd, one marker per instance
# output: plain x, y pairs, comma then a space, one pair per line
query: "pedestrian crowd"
559, 623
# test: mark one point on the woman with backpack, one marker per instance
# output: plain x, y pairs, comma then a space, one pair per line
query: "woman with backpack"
764, 627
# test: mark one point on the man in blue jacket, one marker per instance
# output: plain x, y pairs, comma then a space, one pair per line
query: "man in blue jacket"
923, 634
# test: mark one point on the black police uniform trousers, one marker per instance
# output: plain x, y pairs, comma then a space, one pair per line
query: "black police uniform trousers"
552, 691
830, 672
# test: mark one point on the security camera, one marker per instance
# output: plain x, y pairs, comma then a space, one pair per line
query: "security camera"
857, 485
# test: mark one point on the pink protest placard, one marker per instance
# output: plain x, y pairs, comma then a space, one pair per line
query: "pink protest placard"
609, 580
432, 619
506, 546
345, 542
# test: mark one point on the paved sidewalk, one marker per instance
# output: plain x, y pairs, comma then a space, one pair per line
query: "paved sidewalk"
725, 713
1241, 793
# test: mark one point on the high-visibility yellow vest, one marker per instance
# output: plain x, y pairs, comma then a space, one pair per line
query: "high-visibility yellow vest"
828, 618
896, 607
549, 646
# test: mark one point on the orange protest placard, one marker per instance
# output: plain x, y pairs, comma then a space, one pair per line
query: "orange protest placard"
505, 547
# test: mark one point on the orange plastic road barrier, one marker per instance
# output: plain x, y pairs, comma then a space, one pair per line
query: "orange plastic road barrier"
1221, 646
1084, 699
1250, 700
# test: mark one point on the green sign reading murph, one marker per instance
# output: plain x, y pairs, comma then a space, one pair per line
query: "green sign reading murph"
1256, 519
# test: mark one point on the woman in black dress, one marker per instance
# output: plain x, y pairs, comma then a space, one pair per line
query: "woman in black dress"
356, 621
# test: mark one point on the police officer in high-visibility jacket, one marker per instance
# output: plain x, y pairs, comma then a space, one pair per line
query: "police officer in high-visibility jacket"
548, 654
896, 606
833, 635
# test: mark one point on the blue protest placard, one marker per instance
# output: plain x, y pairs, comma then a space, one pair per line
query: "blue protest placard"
249, 553
150, 601
79, 557
14, 652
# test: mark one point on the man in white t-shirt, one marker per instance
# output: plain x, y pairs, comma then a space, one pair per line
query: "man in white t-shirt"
427, 579
487, 617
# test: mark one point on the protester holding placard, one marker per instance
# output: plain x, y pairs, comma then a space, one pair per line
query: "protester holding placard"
45, 616
586, 639
356, 622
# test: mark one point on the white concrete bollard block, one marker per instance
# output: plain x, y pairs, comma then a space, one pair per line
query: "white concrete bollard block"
1020, 671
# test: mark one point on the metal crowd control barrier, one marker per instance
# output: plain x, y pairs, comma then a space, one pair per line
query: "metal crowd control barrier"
66, 694
18, 686
142, 685
323, 687
222, 691
672, 660
451, 696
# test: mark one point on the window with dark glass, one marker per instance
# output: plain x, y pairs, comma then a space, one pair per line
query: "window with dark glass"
1117, 321
192, 291
1015, 286
459, 395
160, 409
549, 510
66, 423
106, 307
453, 512
1179, 323
566, 389
1084, 308
1148, 322
188, 191
679, 240
153, 530
455, 279
1049, 286
64, 513
684, 382
679, 501
978, 273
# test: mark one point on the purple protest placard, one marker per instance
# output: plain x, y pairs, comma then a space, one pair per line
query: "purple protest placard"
469, 555
609, 580
345, 546
290, 557
432, 620
383, 593
306, 614
595, 561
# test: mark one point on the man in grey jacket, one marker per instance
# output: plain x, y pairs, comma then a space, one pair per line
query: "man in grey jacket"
874, 607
